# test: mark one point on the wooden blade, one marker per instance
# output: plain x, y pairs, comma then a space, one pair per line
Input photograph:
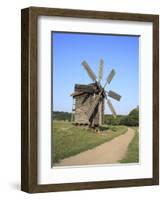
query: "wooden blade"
93, 107
110, 76
89, 71
114, 95
111, 108
100, 72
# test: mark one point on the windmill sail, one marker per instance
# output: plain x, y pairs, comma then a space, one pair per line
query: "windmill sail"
89, 71
110, 76
111, 108
100, 72
114, 95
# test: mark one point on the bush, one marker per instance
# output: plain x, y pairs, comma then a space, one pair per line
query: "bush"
114, 129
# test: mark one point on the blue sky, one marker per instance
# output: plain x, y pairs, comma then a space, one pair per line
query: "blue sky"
117, 51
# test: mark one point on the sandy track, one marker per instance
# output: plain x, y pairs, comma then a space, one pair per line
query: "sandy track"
109, 152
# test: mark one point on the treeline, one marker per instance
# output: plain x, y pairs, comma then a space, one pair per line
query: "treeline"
132, 119
64, 116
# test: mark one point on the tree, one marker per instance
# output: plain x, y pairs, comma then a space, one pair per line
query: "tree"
132, 119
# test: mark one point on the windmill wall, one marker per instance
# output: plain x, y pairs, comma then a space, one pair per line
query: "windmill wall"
82, 105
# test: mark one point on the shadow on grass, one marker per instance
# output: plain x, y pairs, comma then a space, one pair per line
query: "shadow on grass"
108, 128
104, 128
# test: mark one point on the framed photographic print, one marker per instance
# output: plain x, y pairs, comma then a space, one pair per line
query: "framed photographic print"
90, 99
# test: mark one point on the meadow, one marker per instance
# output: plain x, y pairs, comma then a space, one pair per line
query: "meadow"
70, 140
132, 155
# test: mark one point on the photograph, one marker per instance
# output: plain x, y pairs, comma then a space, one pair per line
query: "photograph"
95, 99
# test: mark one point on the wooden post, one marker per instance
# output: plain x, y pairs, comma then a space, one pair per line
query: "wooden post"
100, 112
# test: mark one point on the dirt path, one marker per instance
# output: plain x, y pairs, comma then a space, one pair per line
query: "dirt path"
109, 152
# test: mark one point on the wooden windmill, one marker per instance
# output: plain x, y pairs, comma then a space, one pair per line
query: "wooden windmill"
89, 99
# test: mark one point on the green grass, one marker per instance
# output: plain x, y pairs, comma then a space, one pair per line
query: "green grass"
69, 140
132, 155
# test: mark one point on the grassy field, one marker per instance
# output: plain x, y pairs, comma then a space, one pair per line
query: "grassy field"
69, 140
132, 155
